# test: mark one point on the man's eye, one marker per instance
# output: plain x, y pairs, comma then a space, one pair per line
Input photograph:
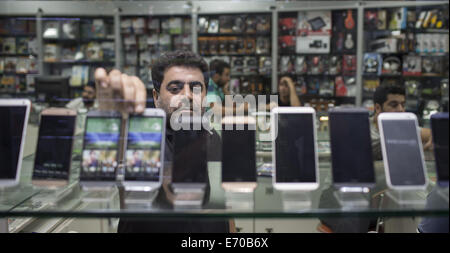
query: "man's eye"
173, 89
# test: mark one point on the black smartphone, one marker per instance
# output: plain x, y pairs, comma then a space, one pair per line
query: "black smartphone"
402, 151
238, 153
53, 157
189, 158
351, 148
101, 147
439, 129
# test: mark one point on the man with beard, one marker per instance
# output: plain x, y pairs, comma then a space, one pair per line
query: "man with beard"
176, 75
87, 99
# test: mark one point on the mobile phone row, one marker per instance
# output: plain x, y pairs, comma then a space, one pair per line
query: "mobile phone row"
294, 149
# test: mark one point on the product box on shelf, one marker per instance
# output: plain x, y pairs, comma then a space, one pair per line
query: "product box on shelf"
412, 65
372, 63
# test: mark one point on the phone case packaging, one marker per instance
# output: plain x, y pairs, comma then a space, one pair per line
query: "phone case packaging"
263, 24
287, 65
301, 66
412, 65
286, 43
349, 65
226, 24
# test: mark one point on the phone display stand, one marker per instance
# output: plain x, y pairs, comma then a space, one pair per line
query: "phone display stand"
239, 200
188, 197
296, 199
99, 194
408, 197
443, 192
139, 197
352, 196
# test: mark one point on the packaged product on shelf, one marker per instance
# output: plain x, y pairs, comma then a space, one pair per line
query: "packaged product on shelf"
250, 45
203, 45
398, 19
131, 58
130, 42
165, 25
382, 20
126, 25
265, 65
223, 45
232, 45
412, 88
239, 24
144, 74
22, 65
51, 30
287, 25
52, 52
145, 58
369, 105
301, 66
370, 19
165, 42
237, 65
80, 76
339, 84
432, 65
312, 44
286, 43
69, 29
240, 45
187, 41
175, 25
2, 65
138, 25
152, 41
335, 65
388, 45
8, 81
213, 25
372, 63
10, 64
370, 84
301, 86
287, 65
213, 46
18, 26
317, 65
349, 65
411, 19
108, 51
142, 42
250, 65
263, 24
4, 26
392, 65
443, 44
153, 25
250, 24
94, 51
412, 65
203, 24
98, 28
313, 85
130, 70
187, 26
22, 45
32, 65
234, 85
326, 87
350, 83
226, 24
9, 45
68, 53
314, 23
262, 45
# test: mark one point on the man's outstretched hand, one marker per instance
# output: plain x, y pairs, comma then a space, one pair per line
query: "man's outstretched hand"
121, 92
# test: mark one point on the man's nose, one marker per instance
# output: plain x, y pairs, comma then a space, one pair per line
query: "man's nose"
401, 108
187, 91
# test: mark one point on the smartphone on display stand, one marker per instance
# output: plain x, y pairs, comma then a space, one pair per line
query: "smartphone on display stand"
53, 158
144, 150
101, 149
351, 148
402, 151
14, 114
439, 129
294, 149
238, 154
190, 168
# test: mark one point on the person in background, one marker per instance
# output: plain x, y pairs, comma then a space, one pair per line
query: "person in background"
391, 98
87, 99
287, 95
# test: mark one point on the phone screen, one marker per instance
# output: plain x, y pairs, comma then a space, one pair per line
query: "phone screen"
143, 154
351, 148
54, 147
403, 152
190, 160
238, 157
11, 131
439, 129
100, 149
295, 148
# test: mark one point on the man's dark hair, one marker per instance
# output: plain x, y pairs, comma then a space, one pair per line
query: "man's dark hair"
91, 84
218, 66
180, 58
382, 92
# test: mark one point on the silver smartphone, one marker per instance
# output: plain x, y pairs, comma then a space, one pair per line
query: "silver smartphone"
144, 150
14, 114
402, 151
101, 149
238, 154
294, 148
351, 148
53, 157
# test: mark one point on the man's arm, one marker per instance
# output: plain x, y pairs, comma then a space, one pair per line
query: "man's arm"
293, 97
427, 140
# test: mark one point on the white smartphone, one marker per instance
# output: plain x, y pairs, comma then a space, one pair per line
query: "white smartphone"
53, 157
294, 148
101, 149
144, 150
238, 154
402, 151
14, 114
